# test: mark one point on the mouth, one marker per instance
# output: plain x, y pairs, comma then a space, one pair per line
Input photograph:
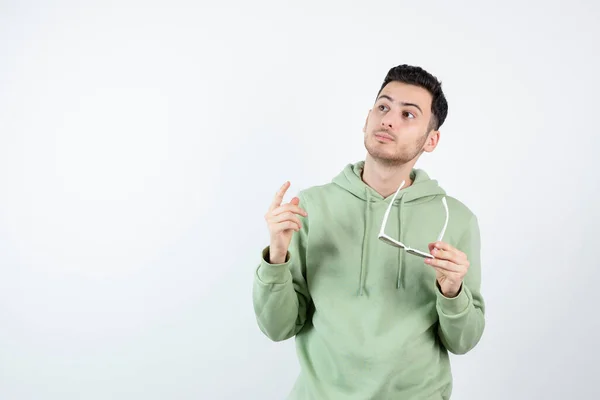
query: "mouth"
382, 137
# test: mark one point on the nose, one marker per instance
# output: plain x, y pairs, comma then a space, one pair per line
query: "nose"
388, 121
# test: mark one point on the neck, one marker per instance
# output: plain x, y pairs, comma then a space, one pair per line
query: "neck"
386, 178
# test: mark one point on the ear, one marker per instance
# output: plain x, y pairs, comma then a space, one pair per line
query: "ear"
366, 122
432, 141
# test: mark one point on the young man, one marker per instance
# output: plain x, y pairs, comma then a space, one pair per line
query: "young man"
377, 274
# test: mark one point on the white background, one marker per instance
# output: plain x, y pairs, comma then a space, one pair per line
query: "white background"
141, 143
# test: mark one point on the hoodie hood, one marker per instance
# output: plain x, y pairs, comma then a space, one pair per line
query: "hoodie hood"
422, 189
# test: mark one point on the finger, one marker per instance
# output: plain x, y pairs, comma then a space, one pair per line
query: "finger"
279, 196
443, 264
446, 251
286, 226
286, 216
289, 207
441, 245
445, 255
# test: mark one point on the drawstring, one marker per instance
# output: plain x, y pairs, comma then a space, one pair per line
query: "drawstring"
400, 280
366, 238
365, 246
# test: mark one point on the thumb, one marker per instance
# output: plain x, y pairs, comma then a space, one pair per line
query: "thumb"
295, 201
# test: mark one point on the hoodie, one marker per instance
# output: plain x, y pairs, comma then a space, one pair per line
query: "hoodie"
369, 319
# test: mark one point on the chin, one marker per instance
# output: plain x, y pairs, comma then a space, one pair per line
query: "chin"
382, 155
386, 157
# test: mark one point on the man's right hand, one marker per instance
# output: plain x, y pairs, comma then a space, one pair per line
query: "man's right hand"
282, 221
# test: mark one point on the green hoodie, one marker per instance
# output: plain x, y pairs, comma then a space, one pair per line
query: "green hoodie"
369, 320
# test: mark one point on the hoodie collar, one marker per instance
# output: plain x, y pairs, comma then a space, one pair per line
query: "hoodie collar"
423, 187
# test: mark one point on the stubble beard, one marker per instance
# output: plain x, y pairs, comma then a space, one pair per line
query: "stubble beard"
399, 156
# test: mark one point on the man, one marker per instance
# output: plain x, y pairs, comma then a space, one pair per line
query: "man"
355, 269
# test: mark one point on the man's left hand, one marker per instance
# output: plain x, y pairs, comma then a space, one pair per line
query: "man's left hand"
450, 265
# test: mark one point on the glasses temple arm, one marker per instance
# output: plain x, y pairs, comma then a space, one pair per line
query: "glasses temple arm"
387, 212
440, 237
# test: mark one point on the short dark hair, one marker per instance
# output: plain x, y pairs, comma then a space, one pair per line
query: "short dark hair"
417, 76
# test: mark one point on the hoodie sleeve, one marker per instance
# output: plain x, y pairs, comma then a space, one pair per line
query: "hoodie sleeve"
280, 293
462, 319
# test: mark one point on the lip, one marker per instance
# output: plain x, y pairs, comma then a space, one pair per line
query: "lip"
383, 137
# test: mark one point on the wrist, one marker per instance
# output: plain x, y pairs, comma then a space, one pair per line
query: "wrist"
449, 292
276, 256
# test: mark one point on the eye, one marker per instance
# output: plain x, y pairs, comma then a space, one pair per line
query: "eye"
408, 115
382, 107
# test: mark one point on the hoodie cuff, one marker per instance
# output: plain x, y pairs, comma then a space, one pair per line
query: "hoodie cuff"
454, 306
273, 273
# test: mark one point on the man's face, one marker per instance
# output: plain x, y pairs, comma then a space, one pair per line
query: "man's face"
397, 128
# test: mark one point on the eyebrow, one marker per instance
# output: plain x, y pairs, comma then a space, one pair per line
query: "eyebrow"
402, 103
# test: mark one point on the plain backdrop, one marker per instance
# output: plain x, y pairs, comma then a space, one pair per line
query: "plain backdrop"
142, 142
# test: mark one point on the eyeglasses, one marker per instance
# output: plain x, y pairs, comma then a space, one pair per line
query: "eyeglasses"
393, 242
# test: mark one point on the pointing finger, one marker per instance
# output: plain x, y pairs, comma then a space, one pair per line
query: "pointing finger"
279, 196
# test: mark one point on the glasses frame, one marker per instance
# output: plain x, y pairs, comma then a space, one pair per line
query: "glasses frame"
393, 242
